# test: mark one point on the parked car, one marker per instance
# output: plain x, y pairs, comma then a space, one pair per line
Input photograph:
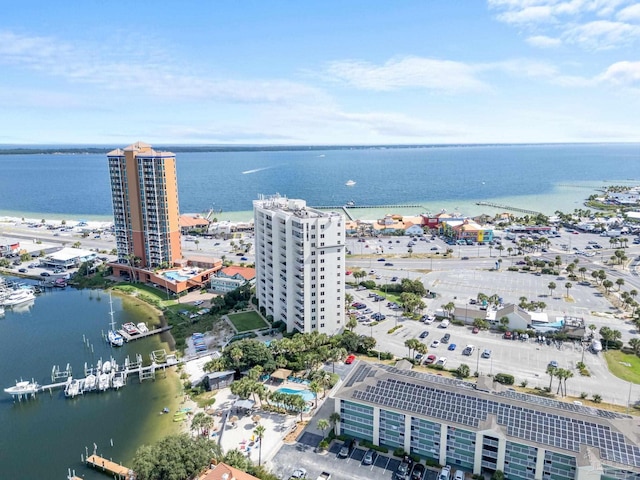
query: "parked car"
486, 353
403, 469
553, 364
299, 473
388, 264
45, 274
452, 347
350, 359
435, 344
442, 361
418, 471
424, 334
475, 330
445, 338
468, 350
430, 359
445, 473
23, 270
459, 475
369, 457
347, 448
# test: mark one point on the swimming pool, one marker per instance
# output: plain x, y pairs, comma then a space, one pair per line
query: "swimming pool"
307, 395
175, 276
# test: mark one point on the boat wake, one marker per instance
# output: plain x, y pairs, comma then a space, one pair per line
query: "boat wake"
246, 172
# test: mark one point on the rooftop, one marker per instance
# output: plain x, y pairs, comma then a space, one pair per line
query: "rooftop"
527, 418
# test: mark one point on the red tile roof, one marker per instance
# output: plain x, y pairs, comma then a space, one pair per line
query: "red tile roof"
245, 272
219, 471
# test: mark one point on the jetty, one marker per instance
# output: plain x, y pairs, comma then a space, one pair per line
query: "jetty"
112, 468
508, 207
103, 376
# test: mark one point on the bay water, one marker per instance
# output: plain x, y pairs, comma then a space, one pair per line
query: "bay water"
539, 177
43, 437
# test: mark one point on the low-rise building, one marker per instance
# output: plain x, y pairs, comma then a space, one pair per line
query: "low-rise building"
222, 471
67, 257
483, 427
230, 278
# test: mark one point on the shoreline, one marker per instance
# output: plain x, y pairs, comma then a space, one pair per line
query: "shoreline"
564, 197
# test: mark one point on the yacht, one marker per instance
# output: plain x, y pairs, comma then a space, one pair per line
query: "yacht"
104, 379
113, 337
130, 328
350, 183
19, 296
73, 388
90, 383
23, 387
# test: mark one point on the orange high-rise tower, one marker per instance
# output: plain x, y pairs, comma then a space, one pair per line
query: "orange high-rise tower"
144, 190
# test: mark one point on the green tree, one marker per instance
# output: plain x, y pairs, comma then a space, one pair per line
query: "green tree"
551, 371
334, 420
175, 457
351, 323
463, 371
259, 433
568, 286
322, 425
634, 343
551, 287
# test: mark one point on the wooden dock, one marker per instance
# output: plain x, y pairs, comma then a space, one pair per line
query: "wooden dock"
132, 338
507, 207
112, 468
356, 207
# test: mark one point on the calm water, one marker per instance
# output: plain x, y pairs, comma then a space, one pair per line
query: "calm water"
42, 438
78, 185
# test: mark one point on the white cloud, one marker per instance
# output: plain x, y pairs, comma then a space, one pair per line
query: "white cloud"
602, 34
626, 74
408, 72
590, 24
535, 14
131, 72
629, 14
543, 41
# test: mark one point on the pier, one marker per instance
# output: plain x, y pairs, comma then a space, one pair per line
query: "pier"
101, 377
131, 338
507, 207
112, 468
345, 207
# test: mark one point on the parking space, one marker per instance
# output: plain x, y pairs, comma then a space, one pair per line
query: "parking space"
291, 457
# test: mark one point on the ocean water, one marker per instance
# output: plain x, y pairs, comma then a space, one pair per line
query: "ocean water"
538, 177
44, 437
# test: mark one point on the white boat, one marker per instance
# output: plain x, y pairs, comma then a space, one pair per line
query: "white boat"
106, 367
1, 310
142, 327
73, 388
23, 387
118, 380
350, 183
19, 296
104, 380
113, 337
90, 383
130, 328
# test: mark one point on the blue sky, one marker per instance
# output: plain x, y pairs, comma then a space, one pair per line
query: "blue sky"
309, 72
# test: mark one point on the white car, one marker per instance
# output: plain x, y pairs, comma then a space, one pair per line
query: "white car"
445, 473
444, 323
459, 475
435, 343
442, 361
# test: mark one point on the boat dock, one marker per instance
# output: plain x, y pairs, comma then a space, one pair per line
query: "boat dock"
344, 207
112, 468
507, 207
103, 376
131, 338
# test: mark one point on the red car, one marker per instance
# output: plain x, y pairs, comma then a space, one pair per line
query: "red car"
430, 359
350, 359
475, 330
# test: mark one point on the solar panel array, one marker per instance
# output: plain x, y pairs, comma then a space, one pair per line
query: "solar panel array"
540, 426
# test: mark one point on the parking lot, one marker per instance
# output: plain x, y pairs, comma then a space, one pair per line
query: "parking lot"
304, 456
527, 361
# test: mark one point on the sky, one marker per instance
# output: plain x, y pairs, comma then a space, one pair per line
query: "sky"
278, 72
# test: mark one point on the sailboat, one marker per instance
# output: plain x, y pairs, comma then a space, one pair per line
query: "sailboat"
350, 183
113, 337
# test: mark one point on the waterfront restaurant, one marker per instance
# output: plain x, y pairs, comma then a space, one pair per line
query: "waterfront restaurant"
67, 258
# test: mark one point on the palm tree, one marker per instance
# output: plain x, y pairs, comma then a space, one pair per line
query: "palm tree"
619, 283
322, 425
334, 420
568, 286
634, 343
259, 433
351, 323
315, 388
551, 371
552, 286
567, 374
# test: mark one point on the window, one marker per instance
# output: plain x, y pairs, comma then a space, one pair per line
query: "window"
322, 325
321, 277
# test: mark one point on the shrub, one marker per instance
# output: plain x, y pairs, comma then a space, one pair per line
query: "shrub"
583, 395
323, 445
394, 329
504, 378
399, 452
524, 384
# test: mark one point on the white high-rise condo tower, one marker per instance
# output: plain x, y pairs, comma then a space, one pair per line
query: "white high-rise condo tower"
300, 264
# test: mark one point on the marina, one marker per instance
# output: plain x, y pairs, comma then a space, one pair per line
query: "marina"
101, 377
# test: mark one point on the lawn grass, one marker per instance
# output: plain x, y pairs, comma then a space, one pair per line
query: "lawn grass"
157, 297
623, 365
246, 321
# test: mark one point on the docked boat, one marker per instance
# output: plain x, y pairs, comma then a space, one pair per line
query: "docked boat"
142, 327
90, 383
113, 337
350, 183
23, 388
118, 380
1, 310
131, 329
104, 380
19, 296
73, 388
